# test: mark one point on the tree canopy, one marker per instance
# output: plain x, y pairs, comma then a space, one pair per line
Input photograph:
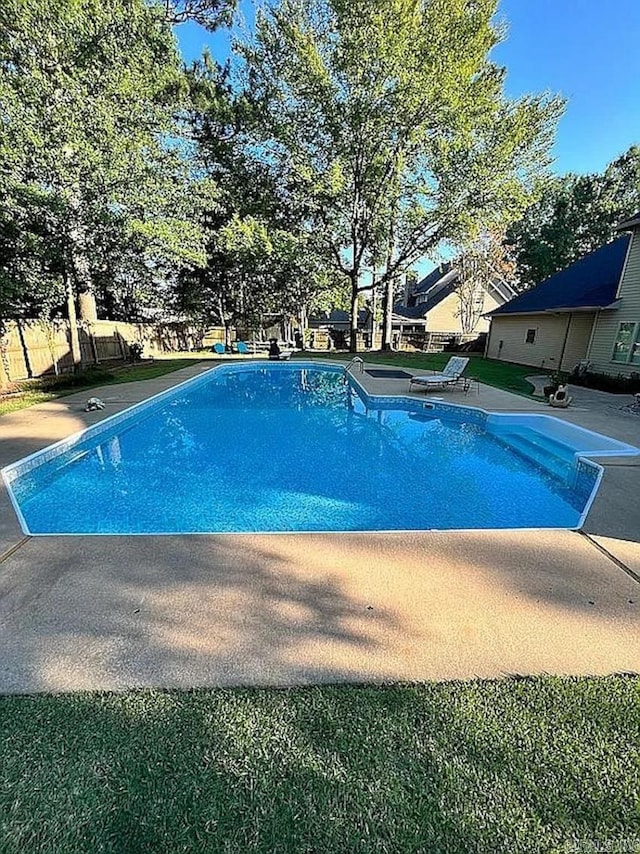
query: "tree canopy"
345, 141
574, 215
389, 120
88, 93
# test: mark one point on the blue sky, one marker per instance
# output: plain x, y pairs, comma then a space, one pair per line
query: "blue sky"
585, 50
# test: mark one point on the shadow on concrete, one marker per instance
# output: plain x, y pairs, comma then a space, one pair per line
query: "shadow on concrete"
94, 611
116, 612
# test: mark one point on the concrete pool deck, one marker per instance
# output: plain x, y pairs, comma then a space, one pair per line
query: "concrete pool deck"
114, 612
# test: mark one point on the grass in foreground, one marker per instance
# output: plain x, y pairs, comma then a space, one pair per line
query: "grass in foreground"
502, 375
44, 389
533, 765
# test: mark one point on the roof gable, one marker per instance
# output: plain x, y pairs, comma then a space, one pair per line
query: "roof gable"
435, 277
436, 286
591, 282
442, 282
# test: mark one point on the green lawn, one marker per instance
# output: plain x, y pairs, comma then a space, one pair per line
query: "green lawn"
41, 390
503, 375
531, 765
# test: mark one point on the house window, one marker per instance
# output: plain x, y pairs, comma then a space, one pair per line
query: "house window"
626, 347
635, 349
530, 337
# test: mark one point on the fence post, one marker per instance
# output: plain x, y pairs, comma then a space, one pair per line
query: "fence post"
121, 342
92, 341
25, 350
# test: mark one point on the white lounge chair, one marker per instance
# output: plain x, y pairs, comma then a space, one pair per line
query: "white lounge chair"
450, 375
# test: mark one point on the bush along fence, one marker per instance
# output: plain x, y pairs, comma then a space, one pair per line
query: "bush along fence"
34, 348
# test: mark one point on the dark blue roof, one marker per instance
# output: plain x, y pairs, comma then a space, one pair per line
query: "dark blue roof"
337, 315
432, 278
413, 312
437, 285
632, 222
591, 281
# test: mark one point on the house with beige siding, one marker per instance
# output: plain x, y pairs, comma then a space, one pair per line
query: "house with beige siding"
437, 303
433, 304
614, 347
589, 311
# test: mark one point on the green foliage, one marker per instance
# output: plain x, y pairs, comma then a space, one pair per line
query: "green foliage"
620, 384
32, 252
261, 260
89, 93
574, 215
504, 375
389, 119
366, 134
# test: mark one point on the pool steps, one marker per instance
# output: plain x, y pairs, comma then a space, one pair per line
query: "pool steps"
554, 457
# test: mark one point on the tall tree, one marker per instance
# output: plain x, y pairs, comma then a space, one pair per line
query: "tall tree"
260, 258
391, 120
574, 215
89, 93
485, 261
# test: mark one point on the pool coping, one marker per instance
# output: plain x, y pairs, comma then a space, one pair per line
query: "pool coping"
78, 613
582, 458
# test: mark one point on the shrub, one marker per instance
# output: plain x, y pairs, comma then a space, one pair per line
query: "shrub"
90, 376
619, 384
453, 345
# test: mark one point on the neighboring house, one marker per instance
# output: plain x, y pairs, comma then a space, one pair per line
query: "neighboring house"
430, 305
337, 319
337, 324
434, 303
589, 311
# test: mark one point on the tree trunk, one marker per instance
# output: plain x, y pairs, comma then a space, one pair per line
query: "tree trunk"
387, 316
5, 379
387, 327
87, 306
223, 323
25, 350
76, 352
353, 333
80, 262
374, 309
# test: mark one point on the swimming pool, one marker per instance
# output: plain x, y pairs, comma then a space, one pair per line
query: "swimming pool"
293, 447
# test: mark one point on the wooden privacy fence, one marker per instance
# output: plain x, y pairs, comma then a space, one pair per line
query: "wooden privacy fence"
432, 342
31, 348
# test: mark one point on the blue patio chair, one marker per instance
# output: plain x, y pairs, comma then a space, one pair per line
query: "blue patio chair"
242, 348
219, 349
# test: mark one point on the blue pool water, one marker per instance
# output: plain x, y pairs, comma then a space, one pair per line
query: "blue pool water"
291, 448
